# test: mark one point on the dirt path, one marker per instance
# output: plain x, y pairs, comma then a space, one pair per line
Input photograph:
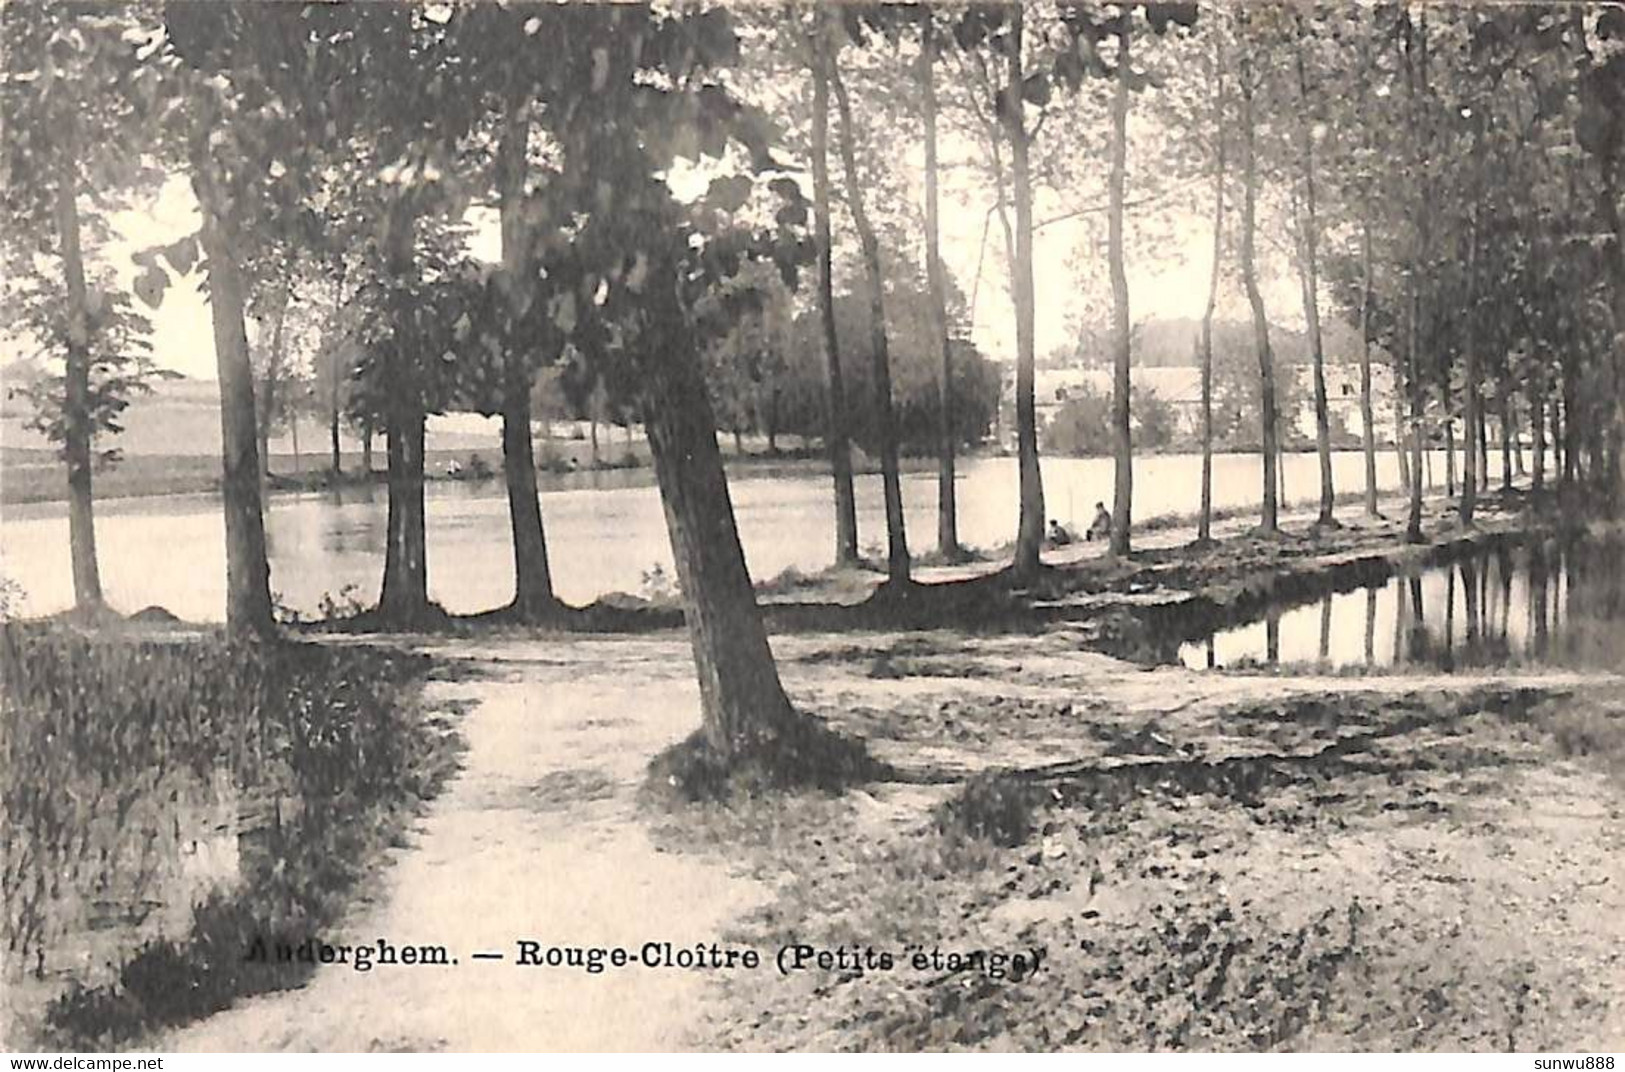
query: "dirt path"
536, 839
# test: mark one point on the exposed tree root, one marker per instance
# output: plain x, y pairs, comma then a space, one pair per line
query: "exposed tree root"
802, 752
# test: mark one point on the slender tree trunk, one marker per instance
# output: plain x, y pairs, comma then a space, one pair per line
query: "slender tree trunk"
947, 512
1367, 420
1450, 456
262, 422
1483, 443
897, 563
77, 429
1559, 439
405, 594
1570, 438
366, 447
1123, 443
1402, 442
840, 451
1030, 529
1311, 293
1413, 523
1469, 471
1506, 435
248, 574
772, 421
269, 382
337, 459
1417, 74
293, 437
334, 384
1204, 527
1519, 465
1537, 417
1269, 520
1608, 202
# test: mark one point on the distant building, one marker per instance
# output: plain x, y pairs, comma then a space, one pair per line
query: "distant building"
1343, 400
1180, 386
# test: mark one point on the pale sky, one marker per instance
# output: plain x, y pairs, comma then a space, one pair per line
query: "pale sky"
1174, 286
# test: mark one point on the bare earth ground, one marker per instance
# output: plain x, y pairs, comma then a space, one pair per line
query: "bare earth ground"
1214, 862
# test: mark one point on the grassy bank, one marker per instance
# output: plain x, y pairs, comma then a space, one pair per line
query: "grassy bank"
1193, 862
127, 757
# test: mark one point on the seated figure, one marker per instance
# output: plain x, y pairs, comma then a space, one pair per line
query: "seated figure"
1101, 526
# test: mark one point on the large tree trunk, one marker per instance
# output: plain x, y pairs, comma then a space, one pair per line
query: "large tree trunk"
77, 430
1204, 526
897, 564
1311, 295
1270, 517
1030, 529
835, 434
744, 706
405, 595
1367, 419
947, 512
533, 580
248, 575
1123, 444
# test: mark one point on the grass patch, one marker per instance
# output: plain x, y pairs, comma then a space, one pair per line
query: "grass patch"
325, 754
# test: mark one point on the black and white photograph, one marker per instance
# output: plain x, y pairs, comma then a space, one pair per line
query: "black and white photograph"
560, 526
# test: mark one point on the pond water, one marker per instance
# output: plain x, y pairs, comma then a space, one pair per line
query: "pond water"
604, 529
1555, 603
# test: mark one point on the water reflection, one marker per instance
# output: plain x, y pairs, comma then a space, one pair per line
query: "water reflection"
1557, 603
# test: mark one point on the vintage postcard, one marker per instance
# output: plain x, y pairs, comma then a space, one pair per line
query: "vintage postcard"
818, 526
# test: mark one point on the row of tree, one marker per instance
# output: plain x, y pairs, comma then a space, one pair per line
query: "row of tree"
1450, 174
353, 139
1444, 176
